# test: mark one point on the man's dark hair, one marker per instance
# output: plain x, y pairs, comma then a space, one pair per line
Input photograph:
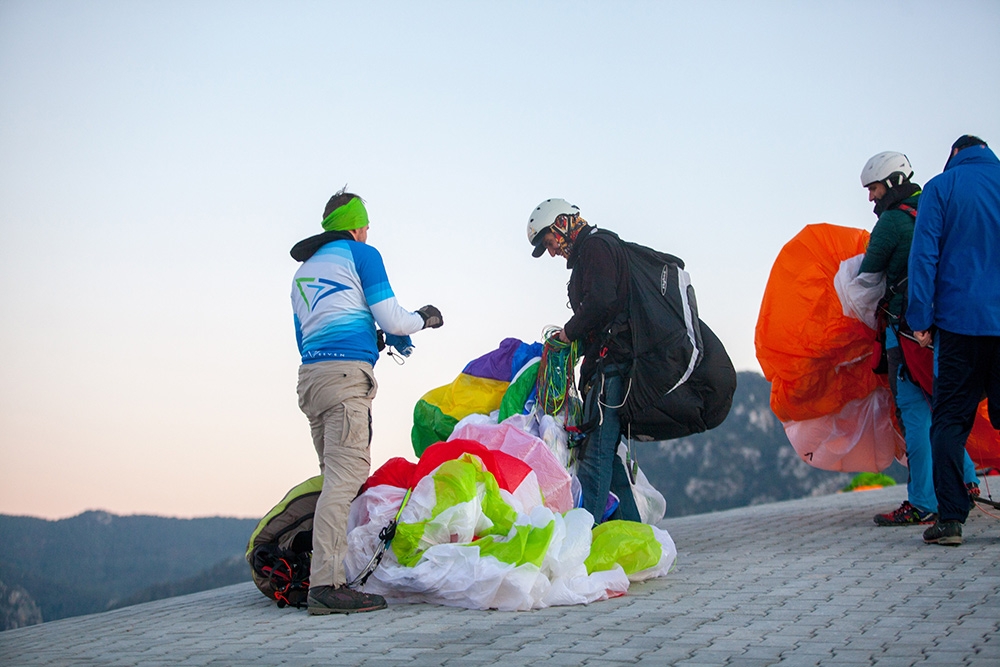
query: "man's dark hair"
967, 140
340, 198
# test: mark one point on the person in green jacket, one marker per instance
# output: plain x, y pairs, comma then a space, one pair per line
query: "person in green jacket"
887, 177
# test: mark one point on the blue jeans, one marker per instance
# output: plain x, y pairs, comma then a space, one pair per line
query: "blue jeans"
915, 413
599, 468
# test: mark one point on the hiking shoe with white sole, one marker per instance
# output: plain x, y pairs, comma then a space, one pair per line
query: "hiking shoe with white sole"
341, 600
948, 533
905, 515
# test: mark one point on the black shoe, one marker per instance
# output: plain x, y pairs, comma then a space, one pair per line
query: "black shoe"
341, 600
948, 533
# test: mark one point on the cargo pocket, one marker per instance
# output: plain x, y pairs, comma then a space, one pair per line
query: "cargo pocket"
369, 373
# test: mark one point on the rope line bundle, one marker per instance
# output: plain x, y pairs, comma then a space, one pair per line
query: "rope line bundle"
557, 392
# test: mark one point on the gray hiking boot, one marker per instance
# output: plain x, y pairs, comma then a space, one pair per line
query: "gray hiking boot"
341, 600
948, 533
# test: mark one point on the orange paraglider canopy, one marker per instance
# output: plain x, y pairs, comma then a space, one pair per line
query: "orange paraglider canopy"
815, 357
837, 413
983, 444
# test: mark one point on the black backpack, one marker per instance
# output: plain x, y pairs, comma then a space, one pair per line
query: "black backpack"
280, 547
681, 380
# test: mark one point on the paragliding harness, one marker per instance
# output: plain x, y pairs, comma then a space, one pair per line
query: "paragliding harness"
917, 362
284, 572
680, 379
880, 357
280, 548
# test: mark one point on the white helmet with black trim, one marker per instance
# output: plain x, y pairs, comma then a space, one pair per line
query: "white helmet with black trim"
542, 218
889, 167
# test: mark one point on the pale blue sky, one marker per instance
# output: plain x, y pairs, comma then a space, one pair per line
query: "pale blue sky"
158, 160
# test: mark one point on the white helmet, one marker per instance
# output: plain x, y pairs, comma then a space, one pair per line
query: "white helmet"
891, 167
542, 218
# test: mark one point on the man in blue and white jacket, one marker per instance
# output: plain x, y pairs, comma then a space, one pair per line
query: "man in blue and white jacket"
339, 295
955, 286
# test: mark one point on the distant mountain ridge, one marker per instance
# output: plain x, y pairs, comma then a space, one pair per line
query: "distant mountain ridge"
93, 561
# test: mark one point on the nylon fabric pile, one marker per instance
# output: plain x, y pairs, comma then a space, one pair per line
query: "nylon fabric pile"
492, 520
478, 533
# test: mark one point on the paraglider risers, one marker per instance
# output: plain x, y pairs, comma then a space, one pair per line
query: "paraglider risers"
986, 501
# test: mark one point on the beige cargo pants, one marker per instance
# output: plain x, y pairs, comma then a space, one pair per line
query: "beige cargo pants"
337, 396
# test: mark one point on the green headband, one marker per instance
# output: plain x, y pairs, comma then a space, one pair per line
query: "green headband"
351, 215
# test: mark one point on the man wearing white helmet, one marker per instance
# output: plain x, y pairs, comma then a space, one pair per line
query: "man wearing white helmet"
887, 177
598, 288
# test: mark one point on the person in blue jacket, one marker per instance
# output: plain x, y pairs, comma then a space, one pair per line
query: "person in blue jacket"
954, 286
339, 294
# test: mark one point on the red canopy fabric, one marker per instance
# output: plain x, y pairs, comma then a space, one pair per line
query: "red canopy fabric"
508, 470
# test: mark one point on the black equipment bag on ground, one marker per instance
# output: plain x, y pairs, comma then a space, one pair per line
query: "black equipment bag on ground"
280, 547
682, 380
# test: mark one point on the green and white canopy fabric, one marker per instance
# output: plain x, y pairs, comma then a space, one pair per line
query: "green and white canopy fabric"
478, 532
491, 520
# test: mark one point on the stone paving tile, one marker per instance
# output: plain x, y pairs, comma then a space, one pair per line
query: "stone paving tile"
895, 661
807, 582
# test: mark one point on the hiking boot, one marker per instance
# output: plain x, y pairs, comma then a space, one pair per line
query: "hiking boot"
905, 515
948, 533
342, 600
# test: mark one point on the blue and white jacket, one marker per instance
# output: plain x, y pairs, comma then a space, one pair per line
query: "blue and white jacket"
338, 295
955, 256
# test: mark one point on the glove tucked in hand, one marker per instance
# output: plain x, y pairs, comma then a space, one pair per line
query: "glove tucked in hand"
402, 344
432, 317
380, 339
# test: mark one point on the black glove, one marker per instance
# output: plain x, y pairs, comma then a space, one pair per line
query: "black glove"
432, 317
380, 339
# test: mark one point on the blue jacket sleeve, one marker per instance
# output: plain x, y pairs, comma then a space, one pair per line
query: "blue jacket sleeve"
388, 314
924, 257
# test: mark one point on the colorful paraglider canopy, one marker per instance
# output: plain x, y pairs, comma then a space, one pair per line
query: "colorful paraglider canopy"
479, 389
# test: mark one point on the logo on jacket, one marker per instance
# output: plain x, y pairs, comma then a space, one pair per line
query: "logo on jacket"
318, 289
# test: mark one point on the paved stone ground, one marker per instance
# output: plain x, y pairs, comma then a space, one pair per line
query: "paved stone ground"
805, 582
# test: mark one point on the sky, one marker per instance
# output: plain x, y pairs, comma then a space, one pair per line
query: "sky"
159, 159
